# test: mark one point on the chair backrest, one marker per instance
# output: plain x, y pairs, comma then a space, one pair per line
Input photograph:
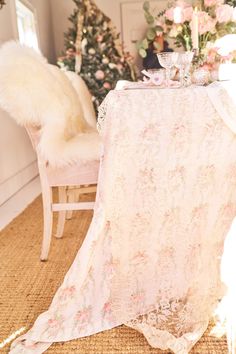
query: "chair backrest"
34, 135
84, 96
37, 94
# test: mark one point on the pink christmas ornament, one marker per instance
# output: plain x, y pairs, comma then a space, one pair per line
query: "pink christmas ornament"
107, 85
99, 75
169, 14
99, 38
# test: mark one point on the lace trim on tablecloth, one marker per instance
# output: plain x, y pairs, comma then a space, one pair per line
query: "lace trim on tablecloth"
102, 111
164, 340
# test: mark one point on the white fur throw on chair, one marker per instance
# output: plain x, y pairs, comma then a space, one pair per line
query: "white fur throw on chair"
86, 103
36, 93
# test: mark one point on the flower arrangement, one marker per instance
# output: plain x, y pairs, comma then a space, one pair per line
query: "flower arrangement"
215, 19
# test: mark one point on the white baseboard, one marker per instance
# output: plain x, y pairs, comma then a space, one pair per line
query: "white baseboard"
10, 186
17, 203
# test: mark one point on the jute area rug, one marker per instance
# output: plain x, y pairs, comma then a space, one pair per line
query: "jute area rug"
28, 285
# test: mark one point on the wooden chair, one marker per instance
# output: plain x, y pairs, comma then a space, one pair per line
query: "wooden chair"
40, 94
66, 179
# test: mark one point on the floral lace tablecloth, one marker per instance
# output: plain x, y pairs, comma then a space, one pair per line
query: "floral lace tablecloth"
166, 199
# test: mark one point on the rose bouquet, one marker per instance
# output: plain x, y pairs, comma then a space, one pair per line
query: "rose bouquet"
215, 19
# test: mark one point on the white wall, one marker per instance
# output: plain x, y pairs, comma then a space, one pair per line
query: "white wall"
61, 10
17, 160
44, 16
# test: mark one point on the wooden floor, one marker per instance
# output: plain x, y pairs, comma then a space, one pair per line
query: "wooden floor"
28, 285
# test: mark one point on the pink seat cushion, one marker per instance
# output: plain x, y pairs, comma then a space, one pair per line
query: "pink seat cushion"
76, 174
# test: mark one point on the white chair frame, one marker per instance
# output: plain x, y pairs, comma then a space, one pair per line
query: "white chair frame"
71, 181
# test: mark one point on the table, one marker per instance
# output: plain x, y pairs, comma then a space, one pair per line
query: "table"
166, 199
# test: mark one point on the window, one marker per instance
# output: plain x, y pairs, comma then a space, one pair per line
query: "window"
26, 24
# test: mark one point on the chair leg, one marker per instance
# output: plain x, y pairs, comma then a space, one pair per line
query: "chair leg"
71, 199
69, 213
62, 196
47, 222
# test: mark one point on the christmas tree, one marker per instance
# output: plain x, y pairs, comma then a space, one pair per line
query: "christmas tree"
94, 52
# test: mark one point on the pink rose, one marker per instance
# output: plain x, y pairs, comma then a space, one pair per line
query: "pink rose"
99, 75
182, 4
107, 307
169, 14
83, 316
209, 3
211, 56
107, 85
224, 13
205, 22
187, 13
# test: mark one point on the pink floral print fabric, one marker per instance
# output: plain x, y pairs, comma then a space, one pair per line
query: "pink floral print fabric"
166, 199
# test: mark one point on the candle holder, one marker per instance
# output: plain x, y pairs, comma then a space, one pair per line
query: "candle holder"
196, 57
201, 77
